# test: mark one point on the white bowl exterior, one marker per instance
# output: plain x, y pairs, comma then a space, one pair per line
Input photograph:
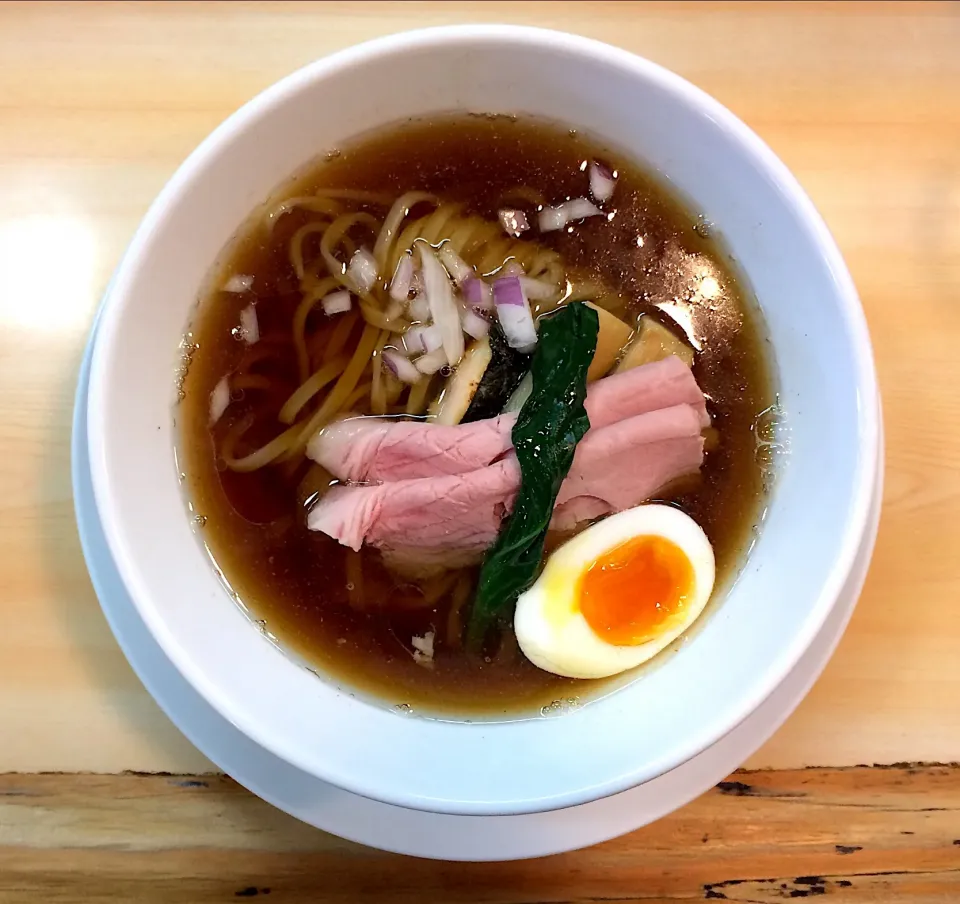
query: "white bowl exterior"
816, 516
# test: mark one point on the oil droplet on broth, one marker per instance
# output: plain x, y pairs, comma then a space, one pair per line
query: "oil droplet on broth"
559, 707
772, 437
703, 227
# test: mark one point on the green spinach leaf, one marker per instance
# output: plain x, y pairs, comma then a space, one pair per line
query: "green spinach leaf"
550, 424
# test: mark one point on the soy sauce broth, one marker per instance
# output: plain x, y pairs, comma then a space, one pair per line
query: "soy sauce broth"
653, 251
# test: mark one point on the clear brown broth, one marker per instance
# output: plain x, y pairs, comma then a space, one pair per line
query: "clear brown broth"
653, 252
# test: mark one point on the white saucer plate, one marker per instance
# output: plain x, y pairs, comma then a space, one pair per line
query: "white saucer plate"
416, 832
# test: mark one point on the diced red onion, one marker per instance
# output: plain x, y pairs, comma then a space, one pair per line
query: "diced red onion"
459, 269
432, 338
402, 278
477, 294
508, 290
423, 649
399, 366
337, 302
553, 218
422, 660
419, 310
413, 340
550, 219
424, 644
239, 282
443, 308
249, 325
536, 289
219, 400
473, 324
514, 222
602, 182
581, 208
518, 327
431, 362
513, 312
362, 270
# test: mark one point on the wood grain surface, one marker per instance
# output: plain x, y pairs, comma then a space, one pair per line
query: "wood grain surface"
100, 102
861, 836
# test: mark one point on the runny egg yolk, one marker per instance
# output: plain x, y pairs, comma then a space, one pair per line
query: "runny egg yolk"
628, 594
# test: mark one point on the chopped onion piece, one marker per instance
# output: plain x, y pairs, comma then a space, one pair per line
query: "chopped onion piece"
443, 308
432, 338
477, 294
602, 182
459, 269
511, 268
337, 302
473, 324
518, 327
423, 649
514, 222
402, 279
399, 366
536, 289
424, 644
508, 290
431, 362
419, 310
553, 218
581, 208
413, 340
239, 282
219, 400
550, 219
513, 312
362, 271
249, 325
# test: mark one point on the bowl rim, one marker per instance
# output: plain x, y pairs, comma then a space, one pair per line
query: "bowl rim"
751, 145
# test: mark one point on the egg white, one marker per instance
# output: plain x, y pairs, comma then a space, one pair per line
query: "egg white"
549, 626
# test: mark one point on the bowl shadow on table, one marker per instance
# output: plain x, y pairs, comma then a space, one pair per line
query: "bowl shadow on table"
111, 677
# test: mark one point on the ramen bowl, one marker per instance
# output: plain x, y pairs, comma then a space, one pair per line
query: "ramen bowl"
812, 529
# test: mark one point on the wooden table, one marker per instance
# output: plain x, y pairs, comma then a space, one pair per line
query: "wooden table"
98, 105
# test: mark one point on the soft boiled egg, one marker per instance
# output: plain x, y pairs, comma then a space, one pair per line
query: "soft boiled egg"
616, 594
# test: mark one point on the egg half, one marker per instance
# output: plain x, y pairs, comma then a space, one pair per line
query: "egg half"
616, 594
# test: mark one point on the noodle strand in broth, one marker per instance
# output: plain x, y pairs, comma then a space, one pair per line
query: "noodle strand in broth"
478, 241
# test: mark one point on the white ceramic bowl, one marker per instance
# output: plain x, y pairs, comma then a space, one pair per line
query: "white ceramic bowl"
816, 518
